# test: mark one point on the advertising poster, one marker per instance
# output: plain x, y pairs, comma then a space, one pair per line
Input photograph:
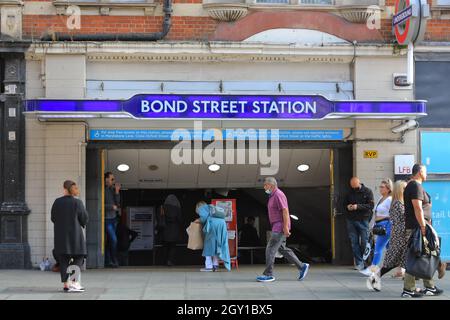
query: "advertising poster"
440, 208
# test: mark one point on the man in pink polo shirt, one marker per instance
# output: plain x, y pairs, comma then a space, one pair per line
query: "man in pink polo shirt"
281, 225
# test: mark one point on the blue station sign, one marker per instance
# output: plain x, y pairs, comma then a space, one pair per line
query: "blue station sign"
264, 107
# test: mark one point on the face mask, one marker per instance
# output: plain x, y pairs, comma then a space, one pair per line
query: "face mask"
268, 191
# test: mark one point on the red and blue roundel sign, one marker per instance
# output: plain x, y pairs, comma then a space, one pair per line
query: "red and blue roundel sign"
409, 21
402, 20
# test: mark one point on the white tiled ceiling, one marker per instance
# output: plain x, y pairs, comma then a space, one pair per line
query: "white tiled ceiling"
166, 174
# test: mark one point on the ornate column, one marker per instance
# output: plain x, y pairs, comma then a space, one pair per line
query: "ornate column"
14, 247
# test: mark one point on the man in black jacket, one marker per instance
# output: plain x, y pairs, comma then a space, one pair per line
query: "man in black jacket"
69, 217
359, 205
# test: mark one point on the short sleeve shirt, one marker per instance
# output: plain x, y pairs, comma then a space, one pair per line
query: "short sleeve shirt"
277, 202
413, 191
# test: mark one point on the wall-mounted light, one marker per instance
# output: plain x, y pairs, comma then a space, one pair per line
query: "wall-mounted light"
123, 167
214, 167
303, 167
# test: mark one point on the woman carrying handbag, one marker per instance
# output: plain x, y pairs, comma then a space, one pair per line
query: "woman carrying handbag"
382, 227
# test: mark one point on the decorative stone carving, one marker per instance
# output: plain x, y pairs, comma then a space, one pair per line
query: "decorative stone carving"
104, 11
226, 11
358, 11
11, 18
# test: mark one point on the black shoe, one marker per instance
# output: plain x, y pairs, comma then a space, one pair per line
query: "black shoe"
411, 294
111, 265
215, 268
432, 291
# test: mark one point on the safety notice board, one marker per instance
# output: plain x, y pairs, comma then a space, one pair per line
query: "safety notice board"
229, 205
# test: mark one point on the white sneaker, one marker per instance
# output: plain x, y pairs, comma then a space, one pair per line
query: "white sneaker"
76, 287
377, 282
373, 282
366, 271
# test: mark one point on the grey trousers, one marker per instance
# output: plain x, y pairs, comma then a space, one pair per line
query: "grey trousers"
278, 242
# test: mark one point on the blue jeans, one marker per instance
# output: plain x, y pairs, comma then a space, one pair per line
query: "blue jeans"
111, 248
381, 242
358, 232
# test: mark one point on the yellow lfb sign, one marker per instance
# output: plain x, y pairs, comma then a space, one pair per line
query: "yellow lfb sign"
371, 154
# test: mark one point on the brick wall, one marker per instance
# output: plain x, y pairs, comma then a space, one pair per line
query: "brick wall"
199, 26
183, 28
438, 30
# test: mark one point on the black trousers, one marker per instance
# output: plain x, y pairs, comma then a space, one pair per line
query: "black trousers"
122, 257
170, 249
67, 260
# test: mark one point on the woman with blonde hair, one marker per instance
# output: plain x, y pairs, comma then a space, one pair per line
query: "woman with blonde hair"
215, 243
396, 253
382, 224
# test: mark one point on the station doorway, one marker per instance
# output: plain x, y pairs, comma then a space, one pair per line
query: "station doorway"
315, 197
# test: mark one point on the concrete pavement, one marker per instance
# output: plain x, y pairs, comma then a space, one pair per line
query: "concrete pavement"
324, 282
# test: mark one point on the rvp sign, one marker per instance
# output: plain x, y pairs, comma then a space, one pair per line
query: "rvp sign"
370, 154
410, 20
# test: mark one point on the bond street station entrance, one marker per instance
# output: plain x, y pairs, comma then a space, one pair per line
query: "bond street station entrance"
313, 195
305, 138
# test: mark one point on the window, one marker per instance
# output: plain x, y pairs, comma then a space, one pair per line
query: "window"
443, 2
329, 2
104, 2
272, 1
306, 2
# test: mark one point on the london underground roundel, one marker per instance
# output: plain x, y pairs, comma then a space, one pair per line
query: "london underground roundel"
409, 21
402, 29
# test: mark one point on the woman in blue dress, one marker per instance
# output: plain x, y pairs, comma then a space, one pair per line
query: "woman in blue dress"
215, 244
